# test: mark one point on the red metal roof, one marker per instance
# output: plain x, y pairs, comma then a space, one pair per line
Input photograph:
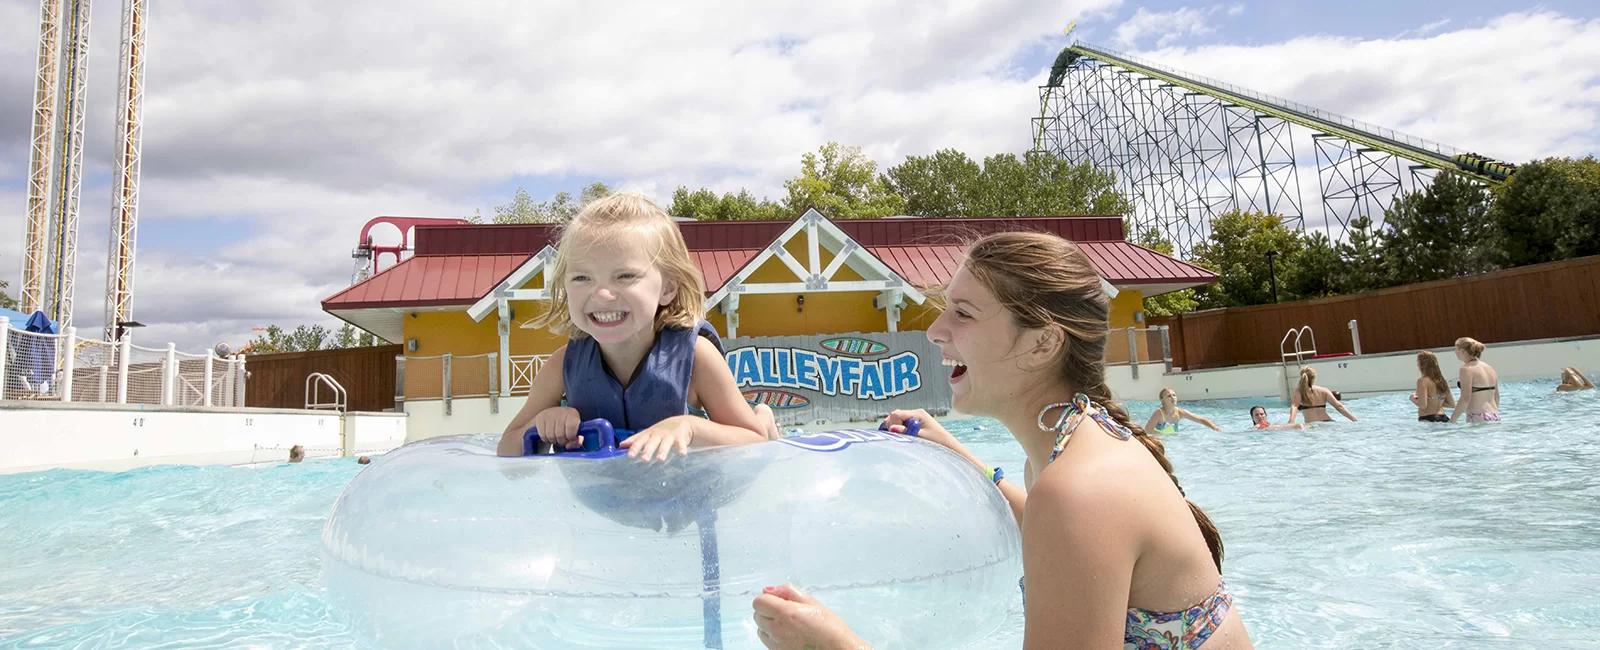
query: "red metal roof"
717, 266
426, 281
1119, 262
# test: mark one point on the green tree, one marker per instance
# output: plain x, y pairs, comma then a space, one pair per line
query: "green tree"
1360, 259
1237, 251
307, 338
1167, 304
1440, 232
940, 185
1311, 273
559, 209
6, 302
1549, 210
842, 183
705, 205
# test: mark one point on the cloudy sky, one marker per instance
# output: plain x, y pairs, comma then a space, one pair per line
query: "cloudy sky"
274, 130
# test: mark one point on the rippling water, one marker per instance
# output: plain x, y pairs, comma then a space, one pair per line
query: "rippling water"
1384, 533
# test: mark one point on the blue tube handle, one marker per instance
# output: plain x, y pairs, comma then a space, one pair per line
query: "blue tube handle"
913, 427
597, 436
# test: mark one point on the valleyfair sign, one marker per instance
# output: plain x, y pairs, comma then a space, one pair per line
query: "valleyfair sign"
846, 374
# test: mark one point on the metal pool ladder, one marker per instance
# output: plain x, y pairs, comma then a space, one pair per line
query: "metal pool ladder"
314, 383
1300, 353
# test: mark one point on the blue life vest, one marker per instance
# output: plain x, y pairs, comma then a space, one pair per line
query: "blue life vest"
659, 390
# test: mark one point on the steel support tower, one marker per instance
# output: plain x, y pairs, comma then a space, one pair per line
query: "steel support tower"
125, 169
1186, 148
55, 163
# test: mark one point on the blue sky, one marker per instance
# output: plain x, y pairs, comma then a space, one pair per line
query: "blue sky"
271, 140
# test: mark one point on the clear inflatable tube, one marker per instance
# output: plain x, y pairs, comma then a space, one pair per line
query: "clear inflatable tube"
443, 544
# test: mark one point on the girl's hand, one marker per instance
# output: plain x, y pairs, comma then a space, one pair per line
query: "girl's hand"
558, 426
657, 442
931, 431
788, 619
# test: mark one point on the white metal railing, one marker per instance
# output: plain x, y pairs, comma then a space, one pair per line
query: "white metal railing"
1424, 144
314, 383
1300, 352
524, 368
62, 367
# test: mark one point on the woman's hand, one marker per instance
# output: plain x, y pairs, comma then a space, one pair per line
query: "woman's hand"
788, 619
931, 431
558, 426
657, 441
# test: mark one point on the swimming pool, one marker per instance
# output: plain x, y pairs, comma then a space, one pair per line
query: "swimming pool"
1384, 533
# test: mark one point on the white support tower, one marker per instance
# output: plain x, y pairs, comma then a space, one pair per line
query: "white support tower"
125, 169
56, 174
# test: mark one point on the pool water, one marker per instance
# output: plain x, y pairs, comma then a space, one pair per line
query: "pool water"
1382, 533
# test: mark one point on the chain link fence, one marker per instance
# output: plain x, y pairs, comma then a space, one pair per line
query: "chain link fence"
65, 368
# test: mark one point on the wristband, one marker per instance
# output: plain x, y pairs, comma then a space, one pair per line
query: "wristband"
995, 474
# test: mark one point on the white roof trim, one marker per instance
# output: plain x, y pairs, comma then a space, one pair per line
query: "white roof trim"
821, 233
507, 289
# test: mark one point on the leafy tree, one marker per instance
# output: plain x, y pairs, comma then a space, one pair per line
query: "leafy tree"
1169, 304
1360, 265
1312, 271
1440, 232
560, 209
941, 185
842, 183
6, 302
704, 204
307, 338
1549, 210
1237, 251
948, 183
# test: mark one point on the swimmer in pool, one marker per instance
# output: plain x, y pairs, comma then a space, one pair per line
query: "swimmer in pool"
1165, 419
297, 453
1573, 380
1433, 392
1258, 420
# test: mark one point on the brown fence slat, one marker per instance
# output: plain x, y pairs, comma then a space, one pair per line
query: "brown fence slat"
1553, 300
367, 374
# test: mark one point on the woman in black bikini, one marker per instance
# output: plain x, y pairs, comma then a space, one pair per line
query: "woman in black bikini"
1433, 392
1313, 400
1479, 384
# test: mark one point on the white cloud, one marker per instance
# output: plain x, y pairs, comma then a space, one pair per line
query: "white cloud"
1170, 26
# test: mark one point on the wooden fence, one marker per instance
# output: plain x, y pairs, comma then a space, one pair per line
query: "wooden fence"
367, 374
1554, 300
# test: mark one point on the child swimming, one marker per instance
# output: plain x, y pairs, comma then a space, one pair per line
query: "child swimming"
640, 355
1166, 418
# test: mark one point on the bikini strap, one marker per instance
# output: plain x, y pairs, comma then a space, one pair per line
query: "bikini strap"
1072, 415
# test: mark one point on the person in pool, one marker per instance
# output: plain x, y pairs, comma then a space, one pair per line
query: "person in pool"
1258, 420
640, 356
1165, 419
1313, 400
1573, 380
1433, 392
1479, 385
1113, 552
297, 453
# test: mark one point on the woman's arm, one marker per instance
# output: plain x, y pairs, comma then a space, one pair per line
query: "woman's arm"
1335, 402
1294, 404
1420, 397
1077, 599
1150, 425
1199, 419
1464, 384
545, 393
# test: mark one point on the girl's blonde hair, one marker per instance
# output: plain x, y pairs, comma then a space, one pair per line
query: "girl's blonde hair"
1470, 346
1308, 382
640, 222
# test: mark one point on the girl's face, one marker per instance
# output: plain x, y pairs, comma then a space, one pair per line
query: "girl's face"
990, 356
614, 290
1461, 355
1169, 398
1258, 416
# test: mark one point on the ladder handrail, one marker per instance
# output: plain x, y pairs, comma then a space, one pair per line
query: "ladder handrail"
1299, 352
314, 383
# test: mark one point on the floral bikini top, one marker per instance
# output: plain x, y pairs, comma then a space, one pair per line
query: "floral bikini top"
1146, 630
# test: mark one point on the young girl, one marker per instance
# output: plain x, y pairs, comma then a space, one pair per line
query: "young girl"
1433, 392
640, 355
1479, 384
1166, 418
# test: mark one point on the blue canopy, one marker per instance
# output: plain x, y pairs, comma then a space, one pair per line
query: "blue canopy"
39, 323
17, 317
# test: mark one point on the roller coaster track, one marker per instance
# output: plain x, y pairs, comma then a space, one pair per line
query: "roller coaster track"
1433, 154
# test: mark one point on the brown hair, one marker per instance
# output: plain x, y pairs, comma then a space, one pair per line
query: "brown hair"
1429, 365
1047, 282
1308, 381
637, 219
1470, 346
